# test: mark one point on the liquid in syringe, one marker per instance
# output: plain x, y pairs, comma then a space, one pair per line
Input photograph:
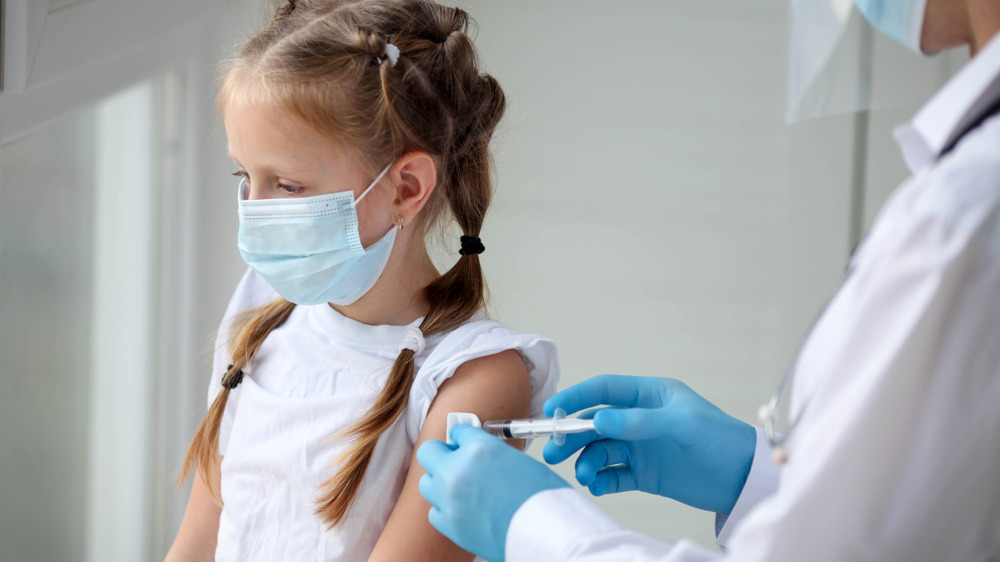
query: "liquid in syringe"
557, 427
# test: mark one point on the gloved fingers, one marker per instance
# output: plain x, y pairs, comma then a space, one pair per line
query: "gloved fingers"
554, 454
611, 390
597, 456
428, 490
614, 480
440, 522
637, 424
433, 454
464, 434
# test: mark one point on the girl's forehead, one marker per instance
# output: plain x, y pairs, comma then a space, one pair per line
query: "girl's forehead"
257, 126
244, 111
261, 125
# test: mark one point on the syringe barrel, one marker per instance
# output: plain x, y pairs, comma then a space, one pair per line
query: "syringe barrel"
530, 429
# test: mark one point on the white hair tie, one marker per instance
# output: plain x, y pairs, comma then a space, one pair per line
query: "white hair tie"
391, 53
414, 341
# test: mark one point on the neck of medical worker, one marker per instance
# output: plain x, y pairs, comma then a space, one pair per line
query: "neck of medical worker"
983, 22
397, 298
953, 23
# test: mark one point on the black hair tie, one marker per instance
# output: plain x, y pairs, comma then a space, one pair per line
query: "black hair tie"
230, 379
471, 245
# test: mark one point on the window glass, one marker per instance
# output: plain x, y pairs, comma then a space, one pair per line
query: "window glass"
46, 245
76, 263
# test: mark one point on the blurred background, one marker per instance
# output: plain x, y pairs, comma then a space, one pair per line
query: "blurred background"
655, 215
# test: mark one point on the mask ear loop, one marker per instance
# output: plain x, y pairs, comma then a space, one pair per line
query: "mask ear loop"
374, 182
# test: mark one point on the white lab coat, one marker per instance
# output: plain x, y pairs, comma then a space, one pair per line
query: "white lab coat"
897, 452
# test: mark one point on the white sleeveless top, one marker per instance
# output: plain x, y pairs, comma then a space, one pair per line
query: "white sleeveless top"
312, 377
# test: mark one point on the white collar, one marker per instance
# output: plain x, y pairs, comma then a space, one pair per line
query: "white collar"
923, 138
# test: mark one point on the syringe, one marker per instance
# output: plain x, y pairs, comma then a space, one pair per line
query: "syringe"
557, 427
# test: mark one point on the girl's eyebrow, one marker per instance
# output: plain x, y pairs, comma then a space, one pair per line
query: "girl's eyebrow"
290, 181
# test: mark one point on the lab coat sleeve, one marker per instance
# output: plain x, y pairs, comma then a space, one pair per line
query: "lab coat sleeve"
562, 524
762, 481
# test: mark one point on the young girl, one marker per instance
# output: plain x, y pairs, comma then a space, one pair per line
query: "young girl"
355, 125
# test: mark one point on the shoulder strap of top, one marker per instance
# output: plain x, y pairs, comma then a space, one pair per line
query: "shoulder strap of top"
983, 109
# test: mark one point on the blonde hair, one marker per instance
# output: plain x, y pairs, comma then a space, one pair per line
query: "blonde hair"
325, 62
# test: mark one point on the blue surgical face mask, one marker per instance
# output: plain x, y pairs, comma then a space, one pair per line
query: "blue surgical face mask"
309, 249
903, 20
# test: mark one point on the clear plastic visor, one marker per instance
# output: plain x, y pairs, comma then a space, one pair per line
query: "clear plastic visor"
839, 64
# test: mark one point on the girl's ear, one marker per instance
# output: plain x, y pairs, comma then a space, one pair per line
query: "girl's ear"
415, 176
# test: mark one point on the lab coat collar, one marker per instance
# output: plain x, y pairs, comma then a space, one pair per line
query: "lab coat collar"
969, 91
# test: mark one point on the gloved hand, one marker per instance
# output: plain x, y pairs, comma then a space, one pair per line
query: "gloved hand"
666, 439
476, 485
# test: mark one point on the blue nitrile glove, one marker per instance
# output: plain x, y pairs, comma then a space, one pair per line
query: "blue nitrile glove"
664, 438
476, 485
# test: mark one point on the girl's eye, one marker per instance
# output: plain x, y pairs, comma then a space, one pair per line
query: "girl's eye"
290, 189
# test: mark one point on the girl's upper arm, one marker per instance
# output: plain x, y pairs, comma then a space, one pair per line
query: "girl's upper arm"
492, 387
199, 530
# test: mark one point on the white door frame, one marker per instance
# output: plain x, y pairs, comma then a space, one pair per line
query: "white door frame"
60, 56
80, 52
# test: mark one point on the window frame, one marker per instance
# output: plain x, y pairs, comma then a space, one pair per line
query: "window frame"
196, 264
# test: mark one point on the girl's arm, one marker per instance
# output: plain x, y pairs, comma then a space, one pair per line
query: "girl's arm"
200, 528
492, 387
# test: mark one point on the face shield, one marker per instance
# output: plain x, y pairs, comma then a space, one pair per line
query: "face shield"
839, 64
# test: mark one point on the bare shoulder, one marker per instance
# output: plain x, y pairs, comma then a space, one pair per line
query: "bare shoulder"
492, 386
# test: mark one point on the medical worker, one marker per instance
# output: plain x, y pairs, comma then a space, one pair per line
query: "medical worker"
892, 450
